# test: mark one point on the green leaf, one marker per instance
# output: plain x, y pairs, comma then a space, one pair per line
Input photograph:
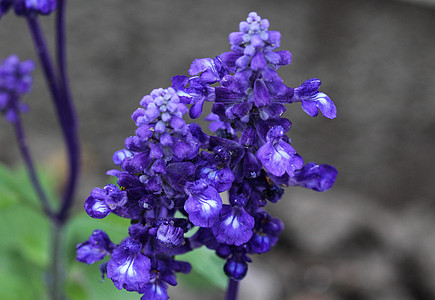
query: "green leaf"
19, 278
206, 268
26, 232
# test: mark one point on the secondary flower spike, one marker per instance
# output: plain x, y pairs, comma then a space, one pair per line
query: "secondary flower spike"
26, 7
15, 80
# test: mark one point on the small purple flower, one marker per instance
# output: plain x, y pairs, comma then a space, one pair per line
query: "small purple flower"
234, 226
216, 124
120, 155
170, 236
103, 201
128, 267
313, 100
209, 70
277, 156
95, 248
316, 177
203, 205
266, 232
215, 168
158, 290
236, 268
196, 93
162, 274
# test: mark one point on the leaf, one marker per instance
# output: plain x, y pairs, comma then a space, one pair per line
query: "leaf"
20, 279
206, 266
26, 232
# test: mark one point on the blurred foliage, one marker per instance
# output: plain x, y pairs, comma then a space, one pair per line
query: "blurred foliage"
25, 247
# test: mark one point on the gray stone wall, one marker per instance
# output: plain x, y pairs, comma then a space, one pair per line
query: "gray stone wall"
372, 235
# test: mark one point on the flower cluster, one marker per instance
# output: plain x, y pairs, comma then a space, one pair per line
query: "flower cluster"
169, 166
26, 7
15, 80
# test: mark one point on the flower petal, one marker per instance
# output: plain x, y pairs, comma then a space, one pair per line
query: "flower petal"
261, 93
204, 207
235, 226
128, 267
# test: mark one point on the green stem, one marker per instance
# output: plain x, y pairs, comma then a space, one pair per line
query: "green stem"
56, 277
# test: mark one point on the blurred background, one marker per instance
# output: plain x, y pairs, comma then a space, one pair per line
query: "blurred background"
371, 237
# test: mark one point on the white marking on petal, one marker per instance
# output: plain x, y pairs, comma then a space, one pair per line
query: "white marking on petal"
236, 223
159, 289
208, 204
229, 220
321, 97
100, 206
281, 151
126, 268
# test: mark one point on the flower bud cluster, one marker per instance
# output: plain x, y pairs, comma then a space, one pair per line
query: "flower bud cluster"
15, 80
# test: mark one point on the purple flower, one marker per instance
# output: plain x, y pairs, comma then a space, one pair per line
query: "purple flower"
266, 232
162, 274
196, 93
236, 268
169, 167
234, 226
95, 248
203, 205
170, 236
277, 156
217, 125
120, 155
313, 100
209, 70
215, 168
155, 291
128, 267
316, 177
103, 201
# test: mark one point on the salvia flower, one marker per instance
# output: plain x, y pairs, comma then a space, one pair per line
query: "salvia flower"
128, 267
96, 248
278, 156
313, 176
170, 166
313, 100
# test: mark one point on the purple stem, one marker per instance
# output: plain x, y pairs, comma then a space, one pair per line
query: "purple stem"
74, 153
47, 66
233, 286
22, 144
63, 105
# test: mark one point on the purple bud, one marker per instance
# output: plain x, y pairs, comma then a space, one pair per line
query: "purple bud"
236, 269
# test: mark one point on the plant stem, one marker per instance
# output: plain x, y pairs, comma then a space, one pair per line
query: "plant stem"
22, 144
61, 96
47, 66
56, 276
233, 286
71, 119
63, 104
